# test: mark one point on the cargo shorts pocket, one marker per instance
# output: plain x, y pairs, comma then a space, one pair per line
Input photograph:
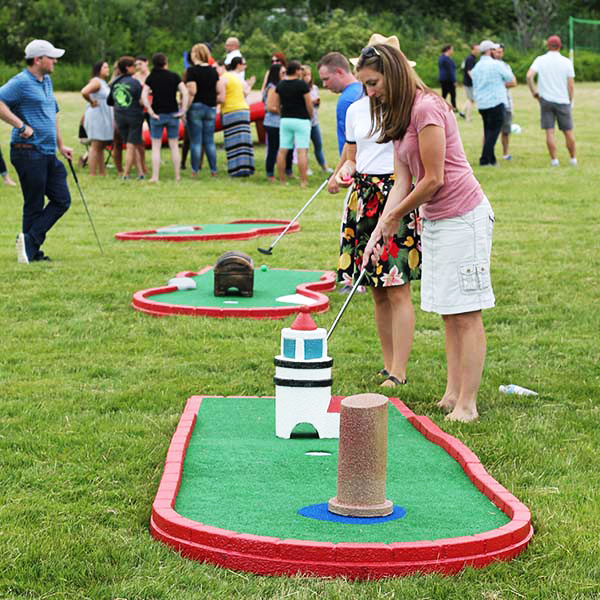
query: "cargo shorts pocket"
474, 277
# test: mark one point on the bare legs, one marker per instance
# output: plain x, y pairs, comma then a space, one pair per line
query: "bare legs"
468, 109
465, 355
551, 143
175, 158
570, 140
156, 144
174, 146
303, 166
395, 320
281, 156
132, 156
96, 157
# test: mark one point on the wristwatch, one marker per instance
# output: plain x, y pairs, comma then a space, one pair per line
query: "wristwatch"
21, 129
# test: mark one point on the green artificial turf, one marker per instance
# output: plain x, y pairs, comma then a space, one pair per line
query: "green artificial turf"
268, 286
239, 476
210, 228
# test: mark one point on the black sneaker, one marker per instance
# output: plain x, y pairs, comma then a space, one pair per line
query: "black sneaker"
39, 255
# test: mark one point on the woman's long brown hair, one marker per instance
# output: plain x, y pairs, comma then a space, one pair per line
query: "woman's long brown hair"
392, 116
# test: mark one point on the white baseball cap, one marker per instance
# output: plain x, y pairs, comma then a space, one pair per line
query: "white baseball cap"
488, 45
42, 48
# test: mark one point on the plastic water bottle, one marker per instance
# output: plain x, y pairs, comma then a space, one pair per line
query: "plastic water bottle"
512, 388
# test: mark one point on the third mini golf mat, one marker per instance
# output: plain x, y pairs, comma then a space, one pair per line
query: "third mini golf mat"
231, 494
277, 293
243, 229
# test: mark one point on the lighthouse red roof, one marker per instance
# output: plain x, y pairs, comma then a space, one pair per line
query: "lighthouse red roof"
304, 322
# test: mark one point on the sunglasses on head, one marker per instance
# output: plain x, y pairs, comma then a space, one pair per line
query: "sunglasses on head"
369, 52
275, 60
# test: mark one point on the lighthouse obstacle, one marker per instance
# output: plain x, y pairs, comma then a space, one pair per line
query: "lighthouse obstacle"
303, 380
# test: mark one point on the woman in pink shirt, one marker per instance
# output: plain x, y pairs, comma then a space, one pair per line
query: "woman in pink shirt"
457, 218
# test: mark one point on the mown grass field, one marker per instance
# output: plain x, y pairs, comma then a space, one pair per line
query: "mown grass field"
91, 390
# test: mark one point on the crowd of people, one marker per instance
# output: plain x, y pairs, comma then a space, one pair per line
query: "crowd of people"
413, 208
189, 106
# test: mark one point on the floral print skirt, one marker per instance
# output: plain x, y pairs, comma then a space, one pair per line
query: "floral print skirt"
400, 259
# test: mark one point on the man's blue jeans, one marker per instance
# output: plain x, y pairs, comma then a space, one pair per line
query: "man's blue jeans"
40, 175
201, 127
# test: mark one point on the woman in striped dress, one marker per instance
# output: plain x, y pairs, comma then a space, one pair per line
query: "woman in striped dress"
235, 118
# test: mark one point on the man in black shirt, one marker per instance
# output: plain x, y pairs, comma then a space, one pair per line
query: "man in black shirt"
467, 65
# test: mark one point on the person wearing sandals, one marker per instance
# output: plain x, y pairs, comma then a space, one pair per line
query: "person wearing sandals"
458, 220
371, 166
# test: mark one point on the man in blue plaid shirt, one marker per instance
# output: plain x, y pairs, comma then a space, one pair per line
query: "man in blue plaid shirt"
489, 88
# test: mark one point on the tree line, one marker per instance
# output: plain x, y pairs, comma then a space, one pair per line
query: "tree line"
91, 30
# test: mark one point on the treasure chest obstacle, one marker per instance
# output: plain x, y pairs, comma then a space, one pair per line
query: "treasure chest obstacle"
234, 274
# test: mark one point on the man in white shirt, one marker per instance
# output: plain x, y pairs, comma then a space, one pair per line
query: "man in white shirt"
555, 92
232, 47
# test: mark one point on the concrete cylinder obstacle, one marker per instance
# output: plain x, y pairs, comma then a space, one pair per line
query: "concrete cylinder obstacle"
362, 458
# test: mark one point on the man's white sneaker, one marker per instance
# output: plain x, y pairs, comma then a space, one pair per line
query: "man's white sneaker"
21, 250
554, 162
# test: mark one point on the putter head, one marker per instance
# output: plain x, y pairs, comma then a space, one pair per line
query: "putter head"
265, 251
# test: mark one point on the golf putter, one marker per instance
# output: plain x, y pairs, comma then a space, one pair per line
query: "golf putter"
269, 250
352, 292
85, 204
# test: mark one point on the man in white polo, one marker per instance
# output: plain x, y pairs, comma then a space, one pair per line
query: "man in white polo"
555, 79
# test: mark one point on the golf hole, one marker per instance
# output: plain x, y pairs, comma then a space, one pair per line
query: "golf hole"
317, 453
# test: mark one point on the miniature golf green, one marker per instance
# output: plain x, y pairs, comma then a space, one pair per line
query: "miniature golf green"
238, 476
211, 228
243, 229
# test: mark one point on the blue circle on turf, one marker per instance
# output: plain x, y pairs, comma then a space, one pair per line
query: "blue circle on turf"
320, 512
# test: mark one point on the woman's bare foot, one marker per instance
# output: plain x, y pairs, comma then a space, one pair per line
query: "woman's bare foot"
465, 415
152, 180
448, 402
9, 181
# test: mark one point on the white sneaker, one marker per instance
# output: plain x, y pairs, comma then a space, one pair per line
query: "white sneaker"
554, 162
22, 257
573, 162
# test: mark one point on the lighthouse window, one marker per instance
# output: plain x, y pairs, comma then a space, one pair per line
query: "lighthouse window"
289, 348
313, 349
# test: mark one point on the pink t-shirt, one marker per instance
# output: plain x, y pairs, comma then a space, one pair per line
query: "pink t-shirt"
460, 192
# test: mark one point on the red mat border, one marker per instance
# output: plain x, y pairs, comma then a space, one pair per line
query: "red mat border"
265, 555
141, 301
145, 234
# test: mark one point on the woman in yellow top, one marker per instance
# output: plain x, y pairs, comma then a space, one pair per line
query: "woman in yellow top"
235, 118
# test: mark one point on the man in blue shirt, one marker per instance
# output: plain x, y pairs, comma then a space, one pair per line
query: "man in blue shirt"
334, 71
27, 103
489, 88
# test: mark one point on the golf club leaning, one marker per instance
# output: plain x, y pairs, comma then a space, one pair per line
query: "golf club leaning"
352, 292
269, 250
85, 204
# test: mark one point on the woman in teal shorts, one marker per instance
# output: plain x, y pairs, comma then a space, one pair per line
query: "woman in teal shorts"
292, 100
